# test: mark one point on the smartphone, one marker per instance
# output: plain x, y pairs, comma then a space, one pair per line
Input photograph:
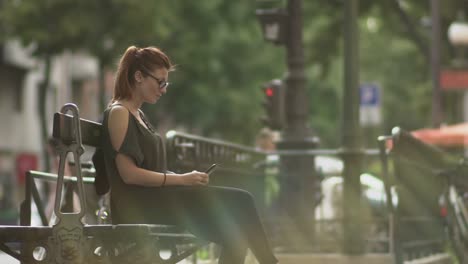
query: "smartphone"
211, 169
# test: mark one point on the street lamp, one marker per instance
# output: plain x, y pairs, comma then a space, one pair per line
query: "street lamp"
456, 77
458, 33
273, 22
458, 37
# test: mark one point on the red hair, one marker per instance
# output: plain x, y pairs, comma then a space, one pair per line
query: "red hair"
137, 59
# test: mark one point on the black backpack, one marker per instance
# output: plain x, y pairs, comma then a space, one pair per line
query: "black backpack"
101, 182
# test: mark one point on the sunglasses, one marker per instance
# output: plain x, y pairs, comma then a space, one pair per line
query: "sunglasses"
162, 83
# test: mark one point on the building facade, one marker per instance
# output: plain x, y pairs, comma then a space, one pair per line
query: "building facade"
73, 78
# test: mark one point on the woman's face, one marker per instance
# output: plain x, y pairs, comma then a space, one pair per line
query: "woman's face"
154, 85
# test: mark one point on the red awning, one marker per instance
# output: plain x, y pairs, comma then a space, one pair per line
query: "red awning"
447, 136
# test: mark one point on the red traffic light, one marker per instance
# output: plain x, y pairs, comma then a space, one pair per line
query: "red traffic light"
273, 104
269, 92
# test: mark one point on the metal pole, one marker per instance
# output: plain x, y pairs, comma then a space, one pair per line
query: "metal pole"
435, 63
299, 185
296, 101
353, 152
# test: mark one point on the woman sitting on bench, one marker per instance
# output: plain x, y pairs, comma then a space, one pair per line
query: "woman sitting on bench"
143, 192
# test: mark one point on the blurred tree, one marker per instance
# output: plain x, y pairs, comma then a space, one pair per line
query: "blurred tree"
54, 26
218, 46
114, 25
222, 59
394, 52
222, 62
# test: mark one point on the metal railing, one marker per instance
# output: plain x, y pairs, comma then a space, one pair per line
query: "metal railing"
187, 151
417, 228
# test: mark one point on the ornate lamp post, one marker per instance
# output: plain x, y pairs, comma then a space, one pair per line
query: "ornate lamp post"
458, 37
284, 27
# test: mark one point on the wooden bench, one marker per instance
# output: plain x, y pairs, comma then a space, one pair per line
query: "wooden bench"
414, 193
109, 243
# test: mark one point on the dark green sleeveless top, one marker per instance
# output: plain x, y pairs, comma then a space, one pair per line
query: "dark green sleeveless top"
145, 147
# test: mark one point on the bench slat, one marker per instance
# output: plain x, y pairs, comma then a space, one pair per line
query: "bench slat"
53, 177
35, 233
24, 233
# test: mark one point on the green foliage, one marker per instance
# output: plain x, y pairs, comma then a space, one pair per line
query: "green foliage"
222, 59
402, 73
218, 47
104, 28
389, 56
118, 24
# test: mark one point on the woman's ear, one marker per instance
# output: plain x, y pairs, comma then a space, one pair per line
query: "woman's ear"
138, 76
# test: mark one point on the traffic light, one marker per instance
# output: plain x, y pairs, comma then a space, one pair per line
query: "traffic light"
274, 104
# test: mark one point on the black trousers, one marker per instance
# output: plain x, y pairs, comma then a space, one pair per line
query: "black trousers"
225, 216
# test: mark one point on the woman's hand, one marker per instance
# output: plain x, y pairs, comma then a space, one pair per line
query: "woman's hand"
195, 178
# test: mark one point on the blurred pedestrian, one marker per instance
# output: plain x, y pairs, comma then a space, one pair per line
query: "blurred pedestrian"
266, 140
144, 192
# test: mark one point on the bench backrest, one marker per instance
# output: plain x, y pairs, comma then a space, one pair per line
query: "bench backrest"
419, 185
63, 130
418, 167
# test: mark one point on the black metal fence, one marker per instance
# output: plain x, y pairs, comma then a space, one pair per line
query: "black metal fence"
238, 166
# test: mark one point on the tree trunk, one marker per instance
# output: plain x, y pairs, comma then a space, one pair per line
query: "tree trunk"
42, 98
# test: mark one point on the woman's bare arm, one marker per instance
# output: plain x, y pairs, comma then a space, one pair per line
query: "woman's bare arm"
129, 171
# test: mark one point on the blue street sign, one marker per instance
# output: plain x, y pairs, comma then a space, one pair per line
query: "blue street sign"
369, 94
370, 101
